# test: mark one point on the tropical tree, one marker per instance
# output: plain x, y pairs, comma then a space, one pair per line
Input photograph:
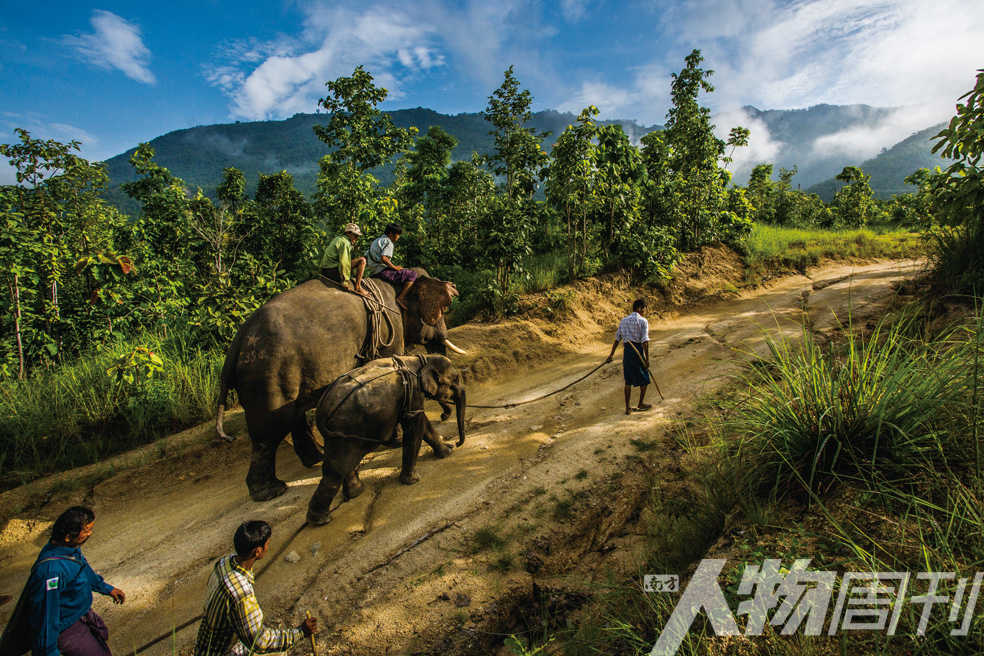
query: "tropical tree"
362, 138
507, 224
854, 202
570, 179
56, 226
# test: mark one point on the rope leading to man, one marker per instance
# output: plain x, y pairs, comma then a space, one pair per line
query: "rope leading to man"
540, 398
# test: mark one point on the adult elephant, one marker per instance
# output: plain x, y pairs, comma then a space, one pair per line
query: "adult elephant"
298, 342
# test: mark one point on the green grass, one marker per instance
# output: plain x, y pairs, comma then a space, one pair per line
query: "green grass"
78, 414
770, 248
876, 407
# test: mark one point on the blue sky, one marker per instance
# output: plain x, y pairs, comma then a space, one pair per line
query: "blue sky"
112, 74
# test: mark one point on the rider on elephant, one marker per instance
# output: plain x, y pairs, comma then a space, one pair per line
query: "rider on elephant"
336, 261
381, 266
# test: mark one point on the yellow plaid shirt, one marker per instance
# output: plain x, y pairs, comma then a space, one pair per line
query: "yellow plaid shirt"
233, 622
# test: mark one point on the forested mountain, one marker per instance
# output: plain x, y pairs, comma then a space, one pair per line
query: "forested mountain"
890, 168
198, 155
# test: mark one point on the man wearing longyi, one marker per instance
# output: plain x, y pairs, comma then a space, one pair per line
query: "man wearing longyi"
60, 592
634, 331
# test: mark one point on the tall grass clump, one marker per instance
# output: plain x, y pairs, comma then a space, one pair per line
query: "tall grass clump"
874, 407
957, 255
80, 412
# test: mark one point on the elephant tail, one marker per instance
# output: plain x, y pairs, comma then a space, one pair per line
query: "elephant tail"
227, 381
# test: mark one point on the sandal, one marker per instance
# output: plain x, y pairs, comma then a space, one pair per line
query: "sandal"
643, 407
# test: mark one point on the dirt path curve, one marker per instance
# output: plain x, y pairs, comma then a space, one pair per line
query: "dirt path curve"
395, 569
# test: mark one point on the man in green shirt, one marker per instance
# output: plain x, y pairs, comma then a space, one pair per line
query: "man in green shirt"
337, 263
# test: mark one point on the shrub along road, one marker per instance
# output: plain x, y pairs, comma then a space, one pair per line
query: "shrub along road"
402, 568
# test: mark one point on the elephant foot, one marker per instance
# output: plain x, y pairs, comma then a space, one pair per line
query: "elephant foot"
309, 460
444, 451
352, 490
267, 492
409, 480
318, 518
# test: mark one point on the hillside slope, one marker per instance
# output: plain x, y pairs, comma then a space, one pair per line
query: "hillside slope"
890, 168
199, 154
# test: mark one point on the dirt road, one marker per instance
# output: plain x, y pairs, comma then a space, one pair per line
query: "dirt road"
399, 568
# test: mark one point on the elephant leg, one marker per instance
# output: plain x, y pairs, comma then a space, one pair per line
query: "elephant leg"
434, 441
413, 430
262, 478
352, 485
342, 457
304, 445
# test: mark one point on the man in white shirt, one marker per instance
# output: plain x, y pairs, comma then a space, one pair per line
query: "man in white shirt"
634, 331
380, 265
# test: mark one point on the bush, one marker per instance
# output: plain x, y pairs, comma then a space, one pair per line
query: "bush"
875, 409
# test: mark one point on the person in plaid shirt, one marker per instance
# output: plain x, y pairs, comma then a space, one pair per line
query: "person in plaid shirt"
233, 621
634, 331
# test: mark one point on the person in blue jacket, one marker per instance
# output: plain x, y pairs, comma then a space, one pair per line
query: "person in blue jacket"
60, 592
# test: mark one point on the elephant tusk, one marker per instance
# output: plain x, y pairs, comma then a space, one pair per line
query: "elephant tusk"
447, 342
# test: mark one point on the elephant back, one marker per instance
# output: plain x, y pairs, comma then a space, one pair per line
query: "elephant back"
356, 391
300, 341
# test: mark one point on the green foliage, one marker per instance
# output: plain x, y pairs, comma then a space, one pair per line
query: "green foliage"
57, 250
958, 193
362, 138
570, 181
120, 395
687, 187
505, 226
854, 202
773, 248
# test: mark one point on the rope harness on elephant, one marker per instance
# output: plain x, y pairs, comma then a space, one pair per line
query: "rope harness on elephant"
411, 385
377, 313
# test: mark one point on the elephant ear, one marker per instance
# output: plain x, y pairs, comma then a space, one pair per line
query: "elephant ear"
429, 380
434, 297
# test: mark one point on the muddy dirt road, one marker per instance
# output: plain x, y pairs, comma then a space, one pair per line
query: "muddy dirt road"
397, 569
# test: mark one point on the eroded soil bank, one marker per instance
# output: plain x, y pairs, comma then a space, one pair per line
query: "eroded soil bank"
524, 520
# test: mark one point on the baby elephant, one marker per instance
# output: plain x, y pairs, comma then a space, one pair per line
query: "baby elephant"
361, 410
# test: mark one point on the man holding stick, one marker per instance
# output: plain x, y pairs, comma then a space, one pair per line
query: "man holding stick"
634, 331
233, 622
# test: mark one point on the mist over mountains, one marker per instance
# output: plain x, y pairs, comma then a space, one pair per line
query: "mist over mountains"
819, 141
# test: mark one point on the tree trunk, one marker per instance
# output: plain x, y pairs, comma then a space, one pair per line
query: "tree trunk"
15, 295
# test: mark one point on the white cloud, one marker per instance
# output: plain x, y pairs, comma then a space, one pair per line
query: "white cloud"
761, 147
608, 99
861, 143
574, 10
290, 74
775, 54
115, 43
479, 39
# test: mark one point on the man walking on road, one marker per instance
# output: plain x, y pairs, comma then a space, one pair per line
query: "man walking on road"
60, 592
634, 331
233, 622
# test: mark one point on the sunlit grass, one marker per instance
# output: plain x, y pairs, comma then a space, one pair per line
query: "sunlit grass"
769, 248
77, 413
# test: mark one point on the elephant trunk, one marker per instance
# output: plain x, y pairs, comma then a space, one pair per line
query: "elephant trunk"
459, 407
